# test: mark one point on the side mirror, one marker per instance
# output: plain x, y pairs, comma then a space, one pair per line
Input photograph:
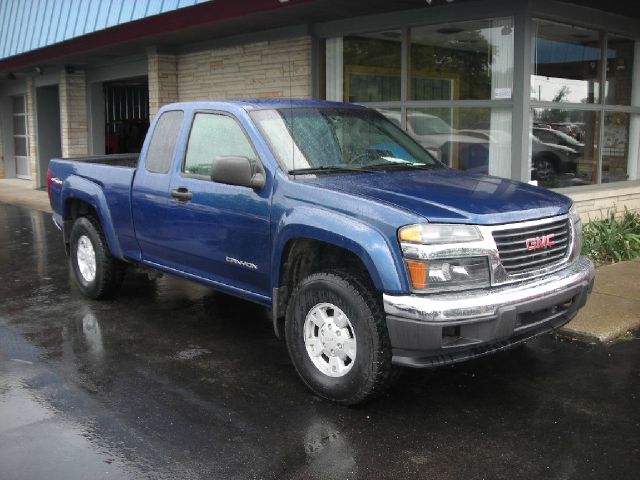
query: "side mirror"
236, 170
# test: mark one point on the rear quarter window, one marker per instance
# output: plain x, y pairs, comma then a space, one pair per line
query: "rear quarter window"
163, 141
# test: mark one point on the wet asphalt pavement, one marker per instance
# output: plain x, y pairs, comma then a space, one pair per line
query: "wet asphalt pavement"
174, 380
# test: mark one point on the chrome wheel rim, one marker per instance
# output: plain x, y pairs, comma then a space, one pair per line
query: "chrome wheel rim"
86, 258
330, 340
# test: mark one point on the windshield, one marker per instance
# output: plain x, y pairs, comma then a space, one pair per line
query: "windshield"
331, 139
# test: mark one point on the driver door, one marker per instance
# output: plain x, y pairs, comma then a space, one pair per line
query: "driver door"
220, 232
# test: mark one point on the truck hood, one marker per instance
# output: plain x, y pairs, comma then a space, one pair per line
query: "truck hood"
450, 196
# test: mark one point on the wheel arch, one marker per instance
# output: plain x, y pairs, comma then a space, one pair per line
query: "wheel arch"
317, 243
83, 198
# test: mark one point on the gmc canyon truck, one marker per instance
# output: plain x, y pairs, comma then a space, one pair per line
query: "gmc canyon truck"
370, 253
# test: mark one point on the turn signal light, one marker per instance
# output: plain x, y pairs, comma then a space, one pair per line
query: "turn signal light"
417, 273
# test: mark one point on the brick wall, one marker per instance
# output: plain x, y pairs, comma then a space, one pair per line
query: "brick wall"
595, 202
73, 114
163, 81
278, 68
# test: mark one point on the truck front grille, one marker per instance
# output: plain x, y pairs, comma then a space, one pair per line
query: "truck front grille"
513, 244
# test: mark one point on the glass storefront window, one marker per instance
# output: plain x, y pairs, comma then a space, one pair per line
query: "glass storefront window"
393, 114
566, 63
564, 147
473, 139
620, 52
462, 61
365, 68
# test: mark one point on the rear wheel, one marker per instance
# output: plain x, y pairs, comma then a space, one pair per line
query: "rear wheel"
337, 338
97, 274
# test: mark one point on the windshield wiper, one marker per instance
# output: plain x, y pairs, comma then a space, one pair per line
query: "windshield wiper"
328, 169
402, 165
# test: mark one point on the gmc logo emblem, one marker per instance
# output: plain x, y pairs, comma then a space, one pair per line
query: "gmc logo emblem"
540, 242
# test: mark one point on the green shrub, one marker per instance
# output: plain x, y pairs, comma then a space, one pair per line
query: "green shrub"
613, 239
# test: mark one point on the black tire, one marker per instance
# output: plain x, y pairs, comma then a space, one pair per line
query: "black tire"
109, 272
371, 372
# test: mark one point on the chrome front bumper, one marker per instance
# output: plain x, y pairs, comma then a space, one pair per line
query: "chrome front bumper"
428, 330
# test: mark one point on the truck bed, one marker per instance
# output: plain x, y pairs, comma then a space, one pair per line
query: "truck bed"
104, 182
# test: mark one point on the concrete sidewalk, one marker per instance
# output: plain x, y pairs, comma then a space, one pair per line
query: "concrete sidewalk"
614, 306
612, 310
20, 192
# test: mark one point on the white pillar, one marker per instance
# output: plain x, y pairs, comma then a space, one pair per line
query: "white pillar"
334, 67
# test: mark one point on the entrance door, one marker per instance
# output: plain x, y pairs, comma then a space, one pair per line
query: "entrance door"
126, 115
20, 138
49, 144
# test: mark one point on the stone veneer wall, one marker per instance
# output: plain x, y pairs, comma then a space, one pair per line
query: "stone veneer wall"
595, 202
73, 114
31, 131
163, 81
277, 68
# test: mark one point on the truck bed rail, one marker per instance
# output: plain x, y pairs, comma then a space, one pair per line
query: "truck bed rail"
129, 160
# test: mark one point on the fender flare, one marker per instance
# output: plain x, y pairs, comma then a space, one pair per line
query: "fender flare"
79, 188
367, 243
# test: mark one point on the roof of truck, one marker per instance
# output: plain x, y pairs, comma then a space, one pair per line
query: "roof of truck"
256, 103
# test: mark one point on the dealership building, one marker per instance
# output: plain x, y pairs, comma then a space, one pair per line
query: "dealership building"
539, 90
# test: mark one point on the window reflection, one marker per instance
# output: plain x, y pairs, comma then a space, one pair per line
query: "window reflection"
372, 66
566, 63
473, 139
619, 70
467, 60
564, 147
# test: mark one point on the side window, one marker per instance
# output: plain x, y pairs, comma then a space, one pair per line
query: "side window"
163, 142
212, 136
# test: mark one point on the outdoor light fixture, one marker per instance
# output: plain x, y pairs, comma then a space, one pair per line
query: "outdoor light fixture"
39, 70
69, 69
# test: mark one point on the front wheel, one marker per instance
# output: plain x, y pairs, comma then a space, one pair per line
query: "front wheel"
337, 338
97, 274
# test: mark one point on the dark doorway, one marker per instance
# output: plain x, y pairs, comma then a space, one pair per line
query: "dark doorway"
49, 144
126, 115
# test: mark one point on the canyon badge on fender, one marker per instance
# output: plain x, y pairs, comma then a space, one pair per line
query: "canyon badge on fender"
242, 263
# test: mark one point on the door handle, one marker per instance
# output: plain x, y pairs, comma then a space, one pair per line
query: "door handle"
182, 194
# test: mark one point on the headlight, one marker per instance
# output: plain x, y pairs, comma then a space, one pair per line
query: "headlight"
449, 273
432, 233
440, 273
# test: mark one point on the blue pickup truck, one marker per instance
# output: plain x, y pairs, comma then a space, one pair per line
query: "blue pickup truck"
370, 253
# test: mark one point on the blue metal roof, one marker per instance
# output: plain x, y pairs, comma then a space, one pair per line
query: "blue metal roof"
27, 25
